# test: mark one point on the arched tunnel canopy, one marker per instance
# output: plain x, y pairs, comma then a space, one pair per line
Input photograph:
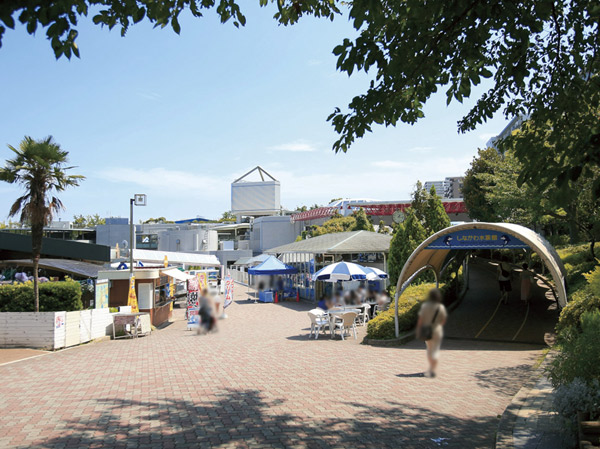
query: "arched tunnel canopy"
436, 251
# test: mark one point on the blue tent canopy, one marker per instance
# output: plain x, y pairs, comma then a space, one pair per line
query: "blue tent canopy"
272, 265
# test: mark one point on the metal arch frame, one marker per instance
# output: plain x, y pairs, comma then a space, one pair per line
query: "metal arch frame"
550, 253
404, 287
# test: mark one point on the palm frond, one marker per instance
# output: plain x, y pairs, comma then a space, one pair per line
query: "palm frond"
40, 168
17, 205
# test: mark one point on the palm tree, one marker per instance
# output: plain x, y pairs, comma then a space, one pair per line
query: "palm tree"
38, 166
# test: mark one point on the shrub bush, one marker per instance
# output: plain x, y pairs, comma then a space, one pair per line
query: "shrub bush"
580, 302
585, 299
577, 261
54, 297
382, 326
579, 355
558, 240
578, 396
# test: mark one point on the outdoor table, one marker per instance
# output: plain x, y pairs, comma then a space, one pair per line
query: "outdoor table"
337, 312
266, 296
139, 324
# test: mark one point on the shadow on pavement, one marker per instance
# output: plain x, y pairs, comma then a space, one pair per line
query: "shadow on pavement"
507, 380
244, 418
460, 344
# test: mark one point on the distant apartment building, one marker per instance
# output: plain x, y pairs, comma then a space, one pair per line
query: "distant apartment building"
454, 187
512, 126
440, 187
449, 188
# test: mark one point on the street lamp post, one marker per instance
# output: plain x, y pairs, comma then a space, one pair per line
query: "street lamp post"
139, 199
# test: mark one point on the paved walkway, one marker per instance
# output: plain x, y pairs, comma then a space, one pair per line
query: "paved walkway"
530, 422
11, 355
537, 425
258, 382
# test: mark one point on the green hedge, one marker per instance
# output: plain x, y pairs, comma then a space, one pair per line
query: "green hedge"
579, 355
577, 260
585, 299
382, 326
54, 297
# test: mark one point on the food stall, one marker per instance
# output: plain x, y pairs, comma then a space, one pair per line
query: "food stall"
152, 288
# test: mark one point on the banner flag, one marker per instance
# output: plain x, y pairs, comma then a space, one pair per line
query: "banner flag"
193, 303
132, 298
228, 291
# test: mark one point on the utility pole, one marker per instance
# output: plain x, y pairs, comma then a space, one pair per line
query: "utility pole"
131, 201
139, 199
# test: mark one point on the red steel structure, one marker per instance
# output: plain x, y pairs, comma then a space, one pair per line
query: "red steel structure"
377, 209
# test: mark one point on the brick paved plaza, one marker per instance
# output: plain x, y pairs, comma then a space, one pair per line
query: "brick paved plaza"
258, 382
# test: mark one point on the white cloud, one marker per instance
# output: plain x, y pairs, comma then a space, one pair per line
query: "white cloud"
148, 95
487, 136
389, 164
298, 146
166, 181
372, 182
420, 149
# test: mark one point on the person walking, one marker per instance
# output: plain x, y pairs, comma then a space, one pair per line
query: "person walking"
526, 281
207, 312
504, 274
430, 327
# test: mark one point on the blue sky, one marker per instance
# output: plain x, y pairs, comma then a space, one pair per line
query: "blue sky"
180, 117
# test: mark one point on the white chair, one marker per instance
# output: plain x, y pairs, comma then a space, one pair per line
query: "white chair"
363, 317
318, 321
348, 321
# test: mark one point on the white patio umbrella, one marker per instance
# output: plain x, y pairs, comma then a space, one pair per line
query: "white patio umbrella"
375, 273
341, 271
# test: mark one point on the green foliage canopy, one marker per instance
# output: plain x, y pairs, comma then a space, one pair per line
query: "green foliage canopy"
541, 60
90, 221
480, 207
425, 216
60, 18
337, 223
362, 221
159, 220
407, 237
493, 192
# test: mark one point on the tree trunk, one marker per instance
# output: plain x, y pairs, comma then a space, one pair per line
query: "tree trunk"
36, 289
572, 222
37, 232
592, 244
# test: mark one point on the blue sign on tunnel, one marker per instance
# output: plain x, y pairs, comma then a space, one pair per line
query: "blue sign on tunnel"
477, 239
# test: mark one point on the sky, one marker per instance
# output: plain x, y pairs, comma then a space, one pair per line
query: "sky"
179, 117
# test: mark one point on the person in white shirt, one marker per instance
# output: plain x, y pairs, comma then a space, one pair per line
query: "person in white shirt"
526, 281
504, 275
